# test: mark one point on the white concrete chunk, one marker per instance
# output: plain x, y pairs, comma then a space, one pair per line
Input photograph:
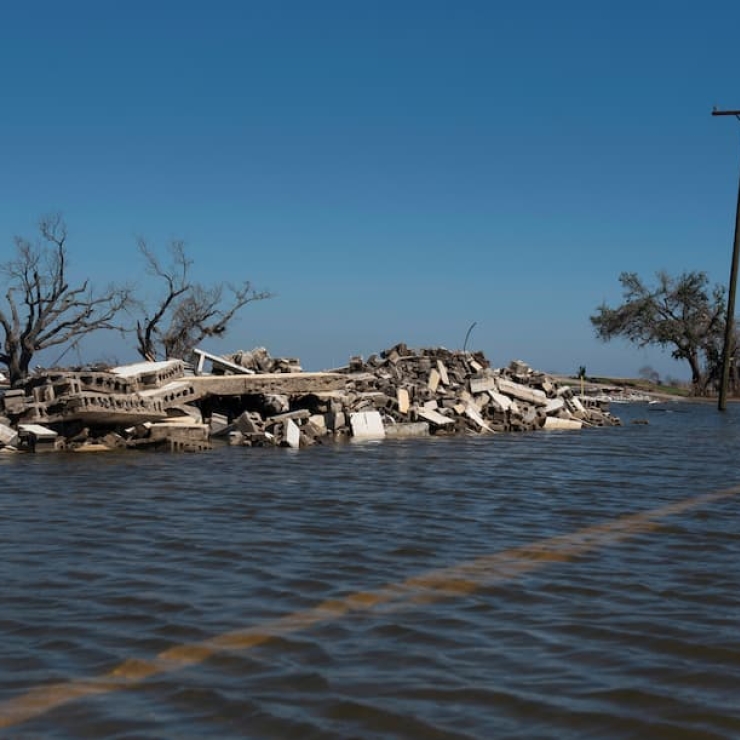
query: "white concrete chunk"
472, 413
139, 368
367, 425
292, 434
503, 402
37, 431
402, 395
434, 417
554, 405
522, 392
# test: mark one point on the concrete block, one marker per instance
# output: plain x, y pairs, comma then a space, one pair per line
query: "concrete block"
553, 423
434, 417
336, 420
522, 392
295, 415
481, 385
433, 382
402, 395
8, 436
518, 367
292, 434
502, 401
319, 423
407, 429
367, 425
444, 378
249, 422
14, 401
219, 422
179, 431
37, 431
547, 387
481, 401
554, 405
472, 413
38, 438
576, 406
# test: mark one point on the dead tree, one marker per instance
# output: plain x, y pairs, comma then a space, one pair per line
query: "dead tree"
185, 312
41, 309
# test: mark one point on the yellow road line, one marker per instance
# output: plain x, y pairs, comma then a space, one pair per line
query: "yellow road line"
432, 586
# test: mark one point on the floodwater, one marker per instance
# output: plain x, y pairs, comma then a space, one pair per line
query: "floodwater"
544, 585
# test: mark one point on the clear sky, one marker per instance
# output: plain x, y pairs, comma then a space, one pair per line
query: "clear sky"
393, 171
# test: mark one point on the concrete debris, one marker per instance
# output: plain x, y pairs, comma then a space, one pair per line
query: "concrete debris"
37, 438
8, 436
250, 399
367, 425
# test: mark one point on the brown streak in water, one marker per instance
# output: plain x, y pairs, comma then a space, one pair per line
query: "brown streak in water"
456, 580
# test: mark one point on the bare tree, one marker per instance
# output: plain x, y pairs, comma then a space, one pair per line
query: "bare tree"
186, 312
41, 309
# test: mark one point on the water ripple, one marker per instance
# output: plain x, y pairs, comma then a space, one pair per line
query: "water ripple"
130, 557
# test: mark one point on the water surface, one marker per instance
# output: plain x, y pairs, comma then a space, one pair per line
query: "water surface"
126, 557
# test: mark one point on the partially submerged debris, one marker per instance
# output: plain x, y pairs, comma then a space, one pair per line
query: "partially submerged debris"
251, 399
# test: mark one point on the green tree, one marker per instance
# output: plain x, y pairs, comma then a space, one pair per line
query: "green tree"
681, 313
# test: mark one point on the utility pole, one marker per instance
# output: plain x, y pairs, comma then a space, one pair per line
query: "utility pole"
730, 321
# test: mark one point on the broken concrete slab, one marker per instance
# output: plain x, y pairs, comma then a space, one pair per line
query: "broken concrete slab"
402, 395
292, 434
434, 417
482, 384
367, 425
218, 364
37, 438
554, 405
499, 399
433, 382
473, 413
151, 374
8, 436
444, 378
407, 429
522, 392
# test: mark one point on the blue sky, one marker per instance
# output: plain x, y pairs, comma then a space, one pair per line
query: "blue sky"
393, 171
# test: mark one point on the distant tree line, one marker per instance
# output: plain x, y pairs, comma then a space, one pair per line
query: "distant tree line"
41, 309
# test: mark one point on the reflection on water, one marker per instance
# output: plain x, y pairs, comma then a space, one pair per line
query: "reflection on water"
133, 557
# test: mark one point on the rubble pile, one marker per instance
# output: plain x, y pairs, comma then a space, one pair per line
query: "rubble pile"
457, 392
260, 361
251, 399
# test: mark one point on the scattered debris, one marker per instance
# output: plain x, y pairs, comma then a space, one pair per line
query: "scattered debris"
251, 399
